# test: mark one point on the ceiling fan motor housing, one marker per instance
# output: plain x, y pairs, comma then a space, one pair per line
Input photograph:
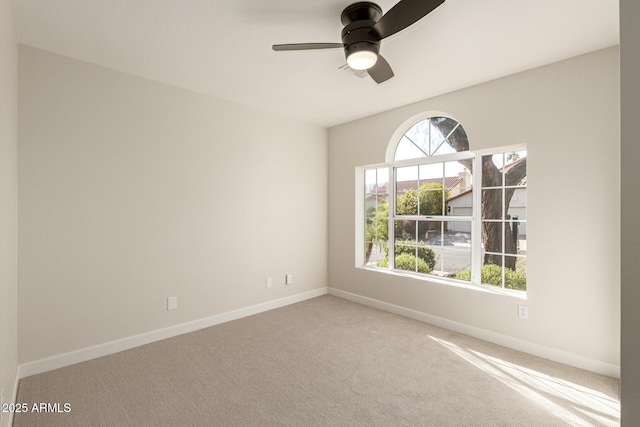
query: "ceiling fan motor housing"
358, 19
357, 36
361, 11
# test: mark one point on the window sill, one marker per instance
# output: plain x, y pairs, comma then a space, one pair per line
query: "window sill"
449, 282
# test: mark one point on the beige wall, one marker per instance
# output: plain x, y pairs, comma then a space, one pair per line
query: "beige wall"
132, 191
630, 231
568, 115
8, 202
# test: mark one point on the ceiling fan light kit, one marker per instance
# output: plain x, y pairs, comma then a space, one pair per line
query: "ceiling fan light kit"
364, 27
362, 59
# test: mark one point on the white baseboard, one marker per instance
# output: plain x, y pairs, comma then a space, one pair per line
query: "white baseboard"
82, 355
560, 356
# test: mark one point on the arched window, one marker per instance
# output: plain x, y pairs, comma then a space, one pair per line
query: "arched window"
432, 137
428, 213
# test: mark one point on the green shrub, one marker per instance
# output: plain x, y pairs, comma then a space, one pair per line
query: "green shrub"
428, 199
407, 261
425, 253
405, 252
492, 275
515, 280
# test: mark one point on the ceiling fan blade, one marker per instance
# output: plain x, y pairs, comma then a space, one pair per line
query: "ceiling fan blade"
306, 46
402, 15
381, 71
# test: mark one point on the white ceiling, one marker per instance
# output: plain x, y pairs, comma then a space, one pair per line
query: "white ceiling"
223, 47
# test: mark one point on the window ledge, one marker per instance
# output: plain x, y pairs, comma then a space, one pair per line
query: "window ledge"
448, 282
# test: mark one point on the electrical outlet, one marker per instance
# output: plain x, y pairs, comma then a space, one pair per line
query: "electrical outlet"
523, 311
269, 282
172, 303
288, 279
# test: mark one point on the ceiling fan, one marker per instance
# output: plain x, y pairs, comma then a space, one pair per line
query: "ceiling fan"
365, 27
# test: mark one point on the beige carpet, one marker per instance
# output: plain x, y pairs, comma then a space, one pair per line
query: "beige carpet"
322, 362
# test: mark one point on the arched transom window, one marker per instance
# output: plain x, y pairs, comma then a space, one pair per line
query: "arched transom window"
431, 137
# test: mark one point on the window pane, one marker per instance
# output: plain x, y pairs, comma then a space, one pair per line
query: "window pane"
433, 240
383, 230
492, 204
522, 237
405, 230
376, 211
431, 173
515, 273
376, 218
374, 204
457, 176
370, 180
446, 127
458, 182
454, 208
516, 173
367, 253
376, 230
456, 168
418, 135
445, 148
405, 255
407, 149
407, 202
428, 137
492, 237
456, 249
511, 275
376, 254
370, 208
517, 198
414, 256
376, 181
492, 272
432, 201
407, 190
382, 179
409, 173
521, 272
496, 159
435, 137
438, 143
513, 156
511, 230
515, 168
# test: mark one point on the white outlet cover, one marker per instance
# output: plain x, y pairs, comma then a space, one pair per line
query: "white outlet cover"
172, 303
523, 311
288, 279
269, 282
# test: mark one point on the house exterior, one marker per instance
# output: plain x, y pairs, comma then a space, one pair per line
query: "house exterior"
455, 184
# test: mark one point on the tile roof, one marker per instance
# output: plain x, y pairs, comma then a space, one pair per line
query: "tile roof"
401, 186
